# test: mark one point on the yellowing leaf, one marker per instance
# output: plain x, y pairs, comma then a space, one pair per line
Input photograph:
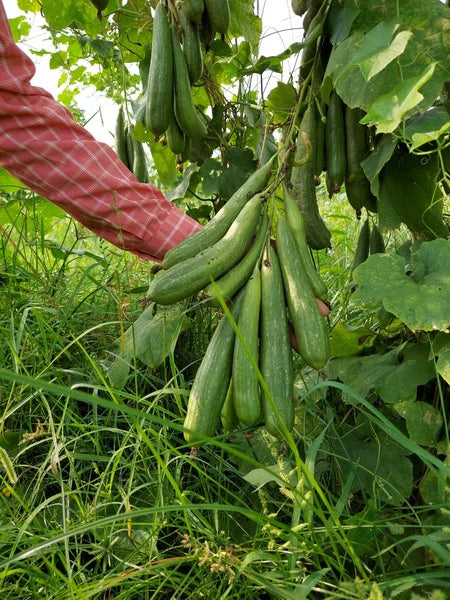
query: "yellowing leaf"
427, 127
377, 50
389, 109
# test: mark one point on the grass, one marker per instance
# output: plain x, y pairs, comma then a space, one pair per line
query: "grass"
102, 498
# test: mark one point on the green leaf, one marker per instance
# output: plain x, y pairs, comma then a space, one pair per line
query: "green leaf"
8, 183
423, 421
29, 5
409, 193
366, 373
432, 490
422, 304
260, 477
441, 349
164, 160
427, 21
427, 127
244, 22
360, 529
387, 112
9, 440
150, 340
76, 13
273, 63
415, 369
347, 340
443, 365
394, 376
210, 172
104, 48
181, 189
379, 466
19, 27
281, 100
241, 164
373, 59
366, 54
374, 51
374, 163
340, 20
134, 21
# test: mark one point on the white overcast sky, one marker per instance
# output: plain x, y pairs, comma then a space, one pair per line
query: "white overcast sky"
280, 29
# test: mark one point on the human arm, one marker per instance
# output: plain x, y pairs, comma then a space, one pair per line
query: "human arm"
43, 146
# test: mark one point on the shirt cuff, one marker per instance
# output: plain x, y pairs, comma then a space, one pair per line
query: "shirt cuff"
171, 230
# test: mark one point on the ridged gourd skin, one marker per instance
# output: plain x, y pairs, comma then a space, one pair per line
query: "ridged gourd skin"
376, 241
140, 170
185, 111
130, 147
320, 160
232, 281
194, 10
246, 389
190, 276
296, 223
121, 138
159, 108
100, 5
176, 140
227, 415
219, 15
275, 348
311, 13
356, 143
192, 49
311, 330
207, 34
357, 186
212, 380
221, 222
299, 7
308, 56
303, 187
362, 246
335, 142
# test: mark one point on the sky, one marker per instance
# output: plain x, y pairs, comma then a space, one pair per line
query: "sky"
280, 29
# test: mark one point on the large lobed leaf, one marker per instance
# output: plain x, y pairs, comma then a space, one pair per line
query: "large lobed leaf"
391, 68
422, 299
76, 13
394, 376
244, 23
150, 340
409, 193
375, 462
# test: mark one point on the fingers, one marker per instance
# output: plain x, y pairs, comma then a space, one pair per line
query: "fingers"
324, 308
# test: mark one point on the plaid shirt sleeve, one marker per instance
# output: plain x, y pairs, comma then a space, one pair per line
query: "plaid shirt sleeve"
42, 146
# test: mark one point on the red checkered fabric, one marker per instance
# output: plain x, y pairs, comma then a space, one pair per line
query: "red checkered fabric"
42, 146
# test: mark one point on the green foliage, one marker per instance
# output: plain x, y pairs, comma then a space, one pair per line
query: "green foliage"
245, 23
419, 297
150, 339
423, 421
374, 461
76, 13
409, 193
394, 376
421, 58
